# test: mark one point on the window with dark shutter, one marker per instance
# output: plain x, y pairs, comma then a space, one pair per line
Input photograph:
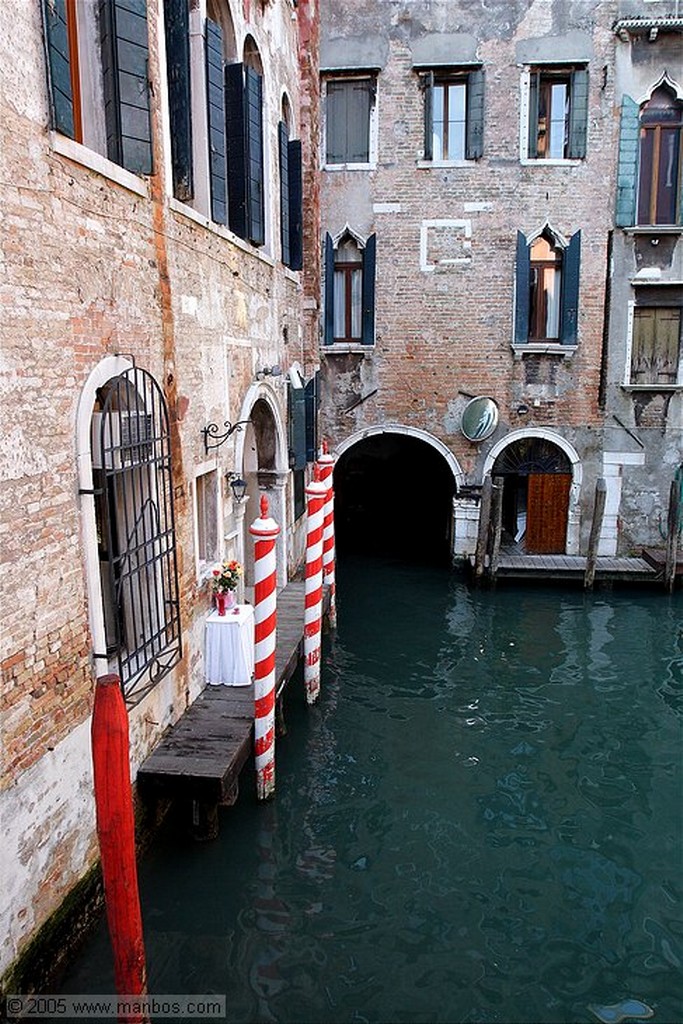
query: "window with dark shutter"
125, 55
236, 138
547, 290
256, 228
558, 113
454, 115
216, 121
312, 403
570, 291
348, 106
329, 290
283, 152
59, 68
660, 152
296, 227
522, 278
176, 22
627, 163
368, 314
475, 114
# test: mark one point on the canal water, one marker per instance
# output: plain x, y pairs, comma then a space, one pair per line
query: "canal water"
479, 822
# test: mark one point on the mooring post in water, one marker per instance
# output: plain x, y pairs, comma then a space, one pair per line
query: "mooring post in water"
496, 524
316, 494
596, 529
264, 531
326, 464
673, 530
116, 834
484, 523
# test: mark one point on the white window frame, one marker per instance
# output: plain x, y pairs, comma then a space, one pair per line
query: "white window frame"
524, 158
204, 566
373, 129
626, 383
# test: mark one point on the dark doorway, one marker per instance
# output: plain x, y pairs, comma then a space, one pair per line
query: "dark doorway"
394, 496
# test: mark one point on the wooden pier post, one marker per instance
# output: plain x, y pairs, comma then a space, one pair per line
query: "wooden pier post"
484, 522
316, 495
496, 524
673, 530
264, 531
596, 529
326, 464
116, 834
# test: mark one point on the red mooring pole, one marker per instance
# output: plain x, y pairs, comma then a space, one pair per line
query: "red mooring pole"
316, 492
116, 834
264, 531
326, 463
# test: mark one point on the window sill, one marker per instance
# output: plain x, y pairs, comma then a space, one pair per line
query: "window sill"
652, 387
372, 166
80, 154
338, 348
219, 229
533, 349
438, 164
654, 229
527, 161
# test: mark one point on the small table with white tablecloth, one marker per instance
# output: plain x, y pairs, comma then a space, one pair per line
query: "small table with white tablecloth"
230, 647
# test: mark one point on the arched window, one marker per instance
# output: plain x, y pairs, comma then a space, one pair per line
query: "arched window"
350, 290
661, 121
131, 467
547, 289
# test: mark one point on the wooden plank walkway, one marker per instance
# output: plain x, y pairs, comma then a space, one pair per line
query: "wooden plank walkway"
573, 567
202, 755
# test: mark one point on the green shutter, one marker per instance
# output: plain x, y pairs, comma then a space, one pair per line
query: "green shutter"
428, 82
297, 428
571, 265
335, 122
329, 290
216, 121
253, 97
283, 155
522, 277
296, 225
475, 114
534, 86
176, 21
58, 67
236, 132
125, 56
578, 115
312, 403
627, 166
368, 311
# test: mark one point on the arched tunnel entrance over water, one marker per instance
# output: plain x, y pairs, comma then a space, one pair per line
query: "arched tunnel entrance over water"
394, 497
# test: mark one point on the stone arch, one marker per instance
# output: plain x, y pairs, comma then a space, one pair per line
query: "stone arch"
576, 469
421, 435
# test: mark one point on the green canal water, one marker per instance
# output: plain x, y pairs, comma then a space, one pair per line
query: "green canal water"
479, 822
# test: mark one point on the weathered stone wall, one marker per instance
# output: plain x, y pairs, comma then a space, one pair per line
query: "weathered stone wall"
98, 262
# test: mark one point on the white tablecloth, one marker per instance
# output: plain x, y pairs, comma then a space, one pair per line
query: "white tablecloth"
230, 646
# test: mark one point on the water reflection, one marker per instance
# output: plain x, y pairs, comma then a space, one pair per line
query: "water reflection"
480, 821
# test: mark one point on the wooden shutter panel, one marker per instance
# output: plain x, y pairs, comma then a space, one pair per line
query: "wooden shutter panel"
59, 67
428, 81
236, 132
522, 278
335, 122
311, 394
360, 95
283, 153
578, 115
475, 114
125, 55
176, 20
297, 427
329, 290
369, 257
296, 225
534, 87
570, 290
216, 121
627, 167
256, 222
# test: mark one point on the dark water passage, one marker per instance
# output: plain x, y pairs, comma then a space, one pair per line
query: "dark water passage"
479, 822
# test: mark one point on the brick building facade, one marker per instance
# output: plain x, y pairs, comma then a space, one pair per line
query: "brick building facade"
473, 249
151, 286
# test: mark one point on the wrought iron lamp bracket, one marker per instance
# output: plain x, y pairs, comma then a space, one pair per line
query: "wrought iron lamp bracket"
211, 431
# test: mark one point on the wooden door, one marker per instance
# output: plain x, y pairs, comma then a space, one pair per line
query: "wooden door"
547, 513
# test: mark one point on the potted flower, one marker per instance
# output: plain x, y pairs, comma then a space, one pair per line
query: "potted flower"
225, 580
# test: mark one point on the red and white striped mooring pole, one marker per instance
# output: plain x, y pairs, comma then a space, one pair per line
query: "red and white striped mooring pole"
316, 493
264, 531
326, 463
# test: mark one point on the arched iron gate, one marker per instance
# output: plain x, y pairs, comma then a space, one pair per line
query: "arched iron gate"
136, 531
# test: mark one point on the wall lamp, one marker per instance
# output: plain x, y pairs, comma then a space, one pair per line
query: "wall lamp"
211, 431
269, 371
238, 486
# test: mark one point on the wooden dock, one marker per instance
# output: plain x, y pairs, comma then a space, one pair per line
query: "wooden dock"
202, 755
573, 567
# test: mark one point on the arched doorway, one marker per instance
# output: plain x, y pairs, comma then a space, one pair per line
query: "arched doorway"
537, 477
394, 496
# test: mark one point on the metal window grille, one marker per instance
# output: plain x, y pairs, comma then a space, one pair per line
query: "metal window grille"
531, 455
132, 460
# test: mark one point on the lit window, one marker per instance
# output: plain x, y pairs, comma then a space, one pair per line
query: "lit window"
661, 121
454, 115
558, 114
